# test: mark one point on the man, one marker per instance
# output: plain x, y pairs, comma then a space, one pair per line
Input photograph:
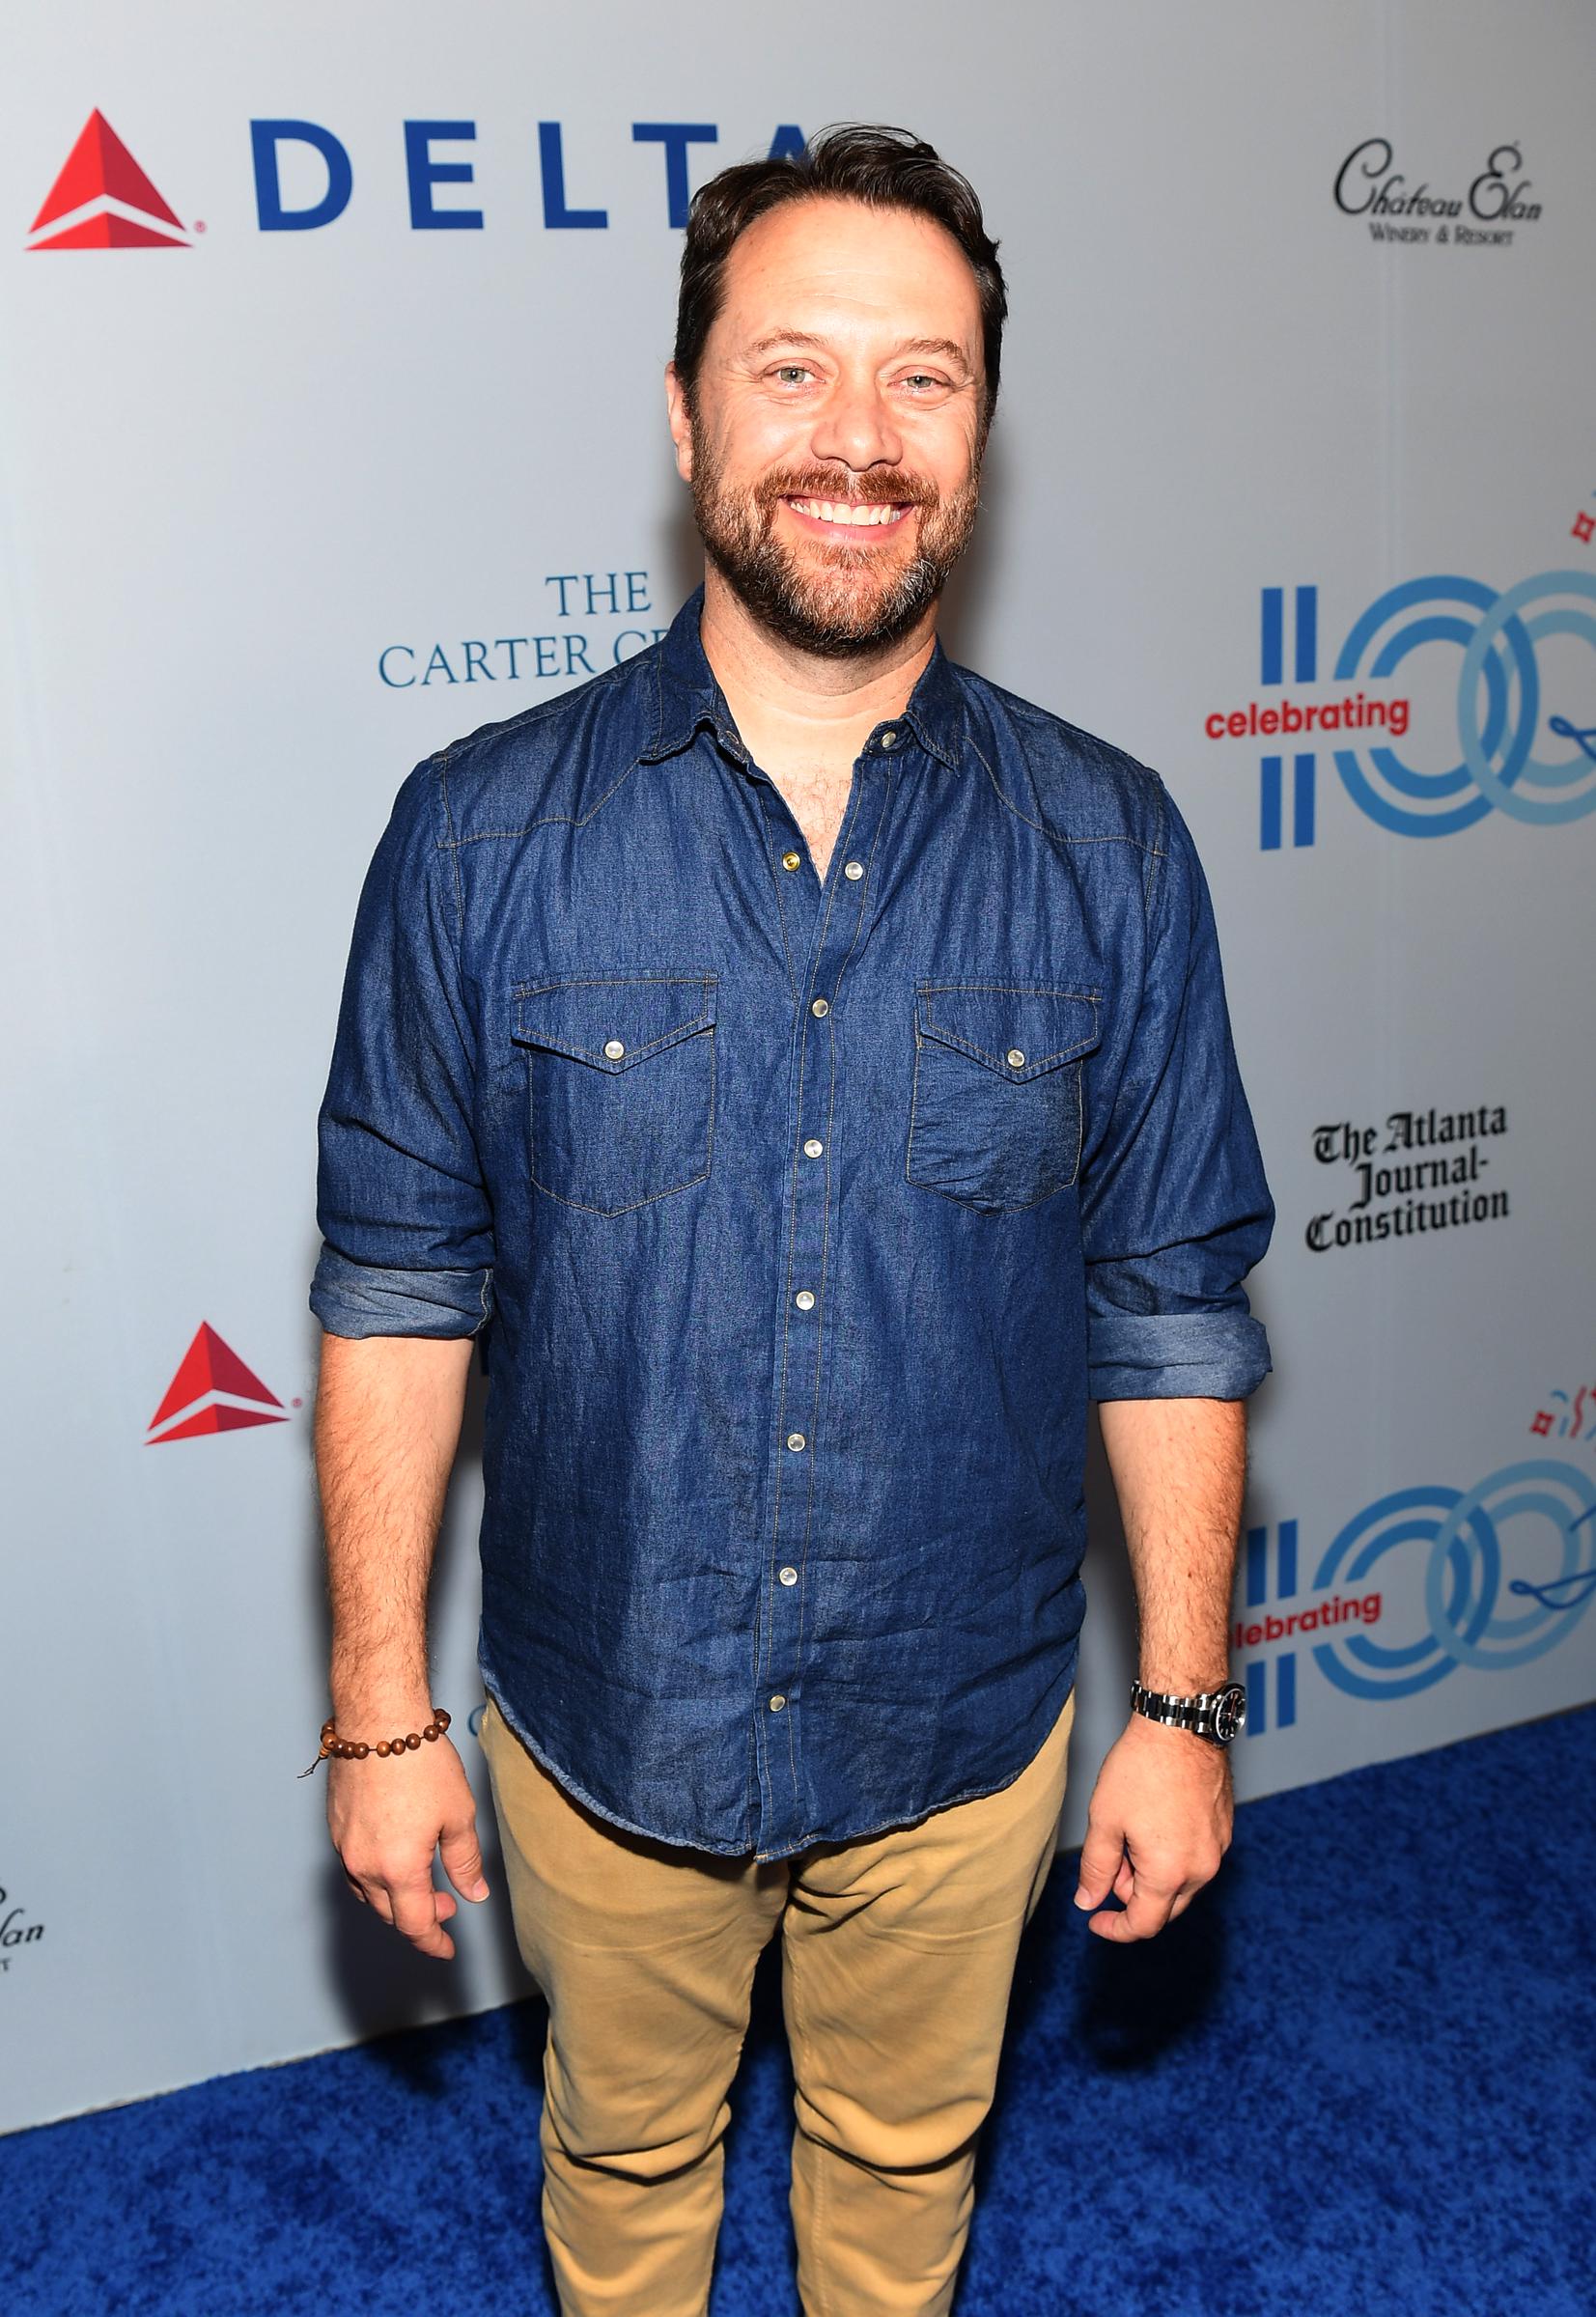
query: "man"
815, 1061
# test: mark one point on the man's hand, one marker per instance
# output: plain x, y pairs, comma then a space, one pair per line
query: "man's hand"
1158, 1824
387, 1818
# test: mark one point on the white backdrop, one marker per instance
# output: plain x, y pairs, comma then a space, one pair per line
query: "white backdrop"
266, 485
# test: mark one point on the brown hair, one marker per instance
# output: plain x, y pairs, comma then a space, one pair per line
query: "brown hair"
885, 168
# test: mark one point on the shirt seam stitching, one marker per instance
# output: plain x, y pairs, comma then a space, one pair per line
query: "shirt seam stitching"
448, 844
1045, 828
484, 836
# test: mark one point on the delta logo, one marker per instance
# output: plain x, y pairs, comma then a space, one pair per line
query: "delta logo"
103, 199
304, 181
213, 1391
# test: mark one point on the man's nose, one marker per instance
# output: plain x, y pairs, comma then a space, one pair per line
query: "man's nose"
856, 427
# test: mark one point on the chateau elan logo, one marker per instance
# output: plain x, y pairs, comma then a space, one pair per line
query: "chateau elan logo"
1369, 185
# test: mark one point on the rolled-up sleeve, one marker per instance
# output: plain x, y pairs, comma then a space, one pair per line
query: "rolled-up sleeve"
1175, 1210
404, 1212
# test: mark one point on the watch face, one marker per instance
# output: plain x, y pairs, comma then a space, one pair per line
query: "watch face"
1230, 1714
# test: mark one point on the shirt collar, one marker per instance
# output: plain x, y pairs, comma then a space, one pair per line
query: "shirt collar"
687, 697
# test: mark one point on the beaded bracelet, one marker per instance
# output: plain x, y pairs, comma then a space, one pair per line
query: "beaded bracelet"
355, 1750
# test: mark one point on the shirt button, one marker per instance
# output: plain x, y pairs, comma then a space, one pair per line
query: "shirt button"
614, 1049
889, 739
804, 1299
1015, 1057
821, 1005
790, 860
813, 1148
788, 1577
853, 868
796, 1439
777, 1702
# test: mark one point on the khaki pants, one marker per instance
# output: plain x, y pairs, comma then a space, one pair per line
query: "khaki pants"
898, 1956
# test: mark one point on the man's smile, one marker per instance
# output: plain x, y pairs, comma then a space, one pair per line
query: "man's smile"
823, 517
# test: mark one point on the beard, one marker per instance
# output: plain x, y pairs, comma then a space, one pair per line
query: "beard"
836, 600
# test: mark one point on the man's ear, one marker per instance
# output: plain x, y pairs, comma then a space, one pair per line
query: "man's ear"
681, 424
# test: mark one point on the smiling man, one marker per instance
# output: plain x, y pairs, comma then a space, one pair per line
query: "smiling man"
808, 1065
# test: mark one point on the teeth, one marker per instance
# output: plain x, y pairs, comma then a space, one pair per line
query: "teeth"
834, 511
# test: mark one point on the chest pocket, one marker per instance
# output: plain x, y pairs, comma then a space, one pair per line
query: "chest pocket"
996, 1111
621, 1085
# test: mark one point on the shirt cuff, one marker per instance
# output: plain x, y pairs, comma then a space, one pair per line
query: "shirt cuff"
1175, 1355
361, 1299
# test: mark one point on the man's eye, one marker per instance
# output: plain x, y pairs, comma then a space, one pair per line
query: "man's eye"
924, 379
791, 371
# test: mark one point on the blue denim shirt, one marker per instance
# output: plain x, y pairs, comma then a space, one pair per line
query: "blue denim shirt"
808, 1215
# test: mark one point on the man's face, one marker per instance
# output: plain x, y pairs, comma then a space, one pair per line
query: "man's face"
834, 438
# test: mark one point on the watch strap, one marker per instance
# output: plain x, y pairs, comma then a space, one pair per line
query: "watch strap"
1200, 1714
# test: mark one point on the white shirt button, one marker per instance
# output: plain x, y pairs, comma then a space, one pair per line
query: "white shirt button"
889, 739
804, 1299
853, 868
813, 1148
1015, 1057
788, 1577
796, 1439
821, 1005
777, 1702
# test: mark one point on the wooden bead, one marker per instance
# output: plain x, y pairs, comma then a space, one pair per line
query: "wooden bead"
357, 1750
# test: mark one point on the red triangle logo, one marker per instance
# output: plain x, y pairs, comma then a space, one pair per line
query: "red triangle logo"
208, 1367
99, 168
215, 1419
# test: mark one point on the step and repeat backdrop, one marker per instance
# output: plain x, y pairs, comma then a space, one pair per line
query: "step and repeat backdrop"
332, 423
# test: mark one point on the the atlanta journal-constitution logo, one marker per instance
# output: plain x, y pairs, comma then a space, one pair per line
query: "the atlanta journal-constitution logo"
1497, 203
1513, 733
1416, 1173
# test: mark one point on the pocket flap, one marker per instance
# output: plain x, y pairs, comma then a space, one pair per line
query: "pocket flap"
613, 1021
1018, 1032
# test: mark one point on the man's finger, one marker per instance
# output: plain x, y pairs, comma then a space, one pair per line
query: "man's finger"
462, 1858
1102, 1856
374, 1893
415, 1918
1144, 1915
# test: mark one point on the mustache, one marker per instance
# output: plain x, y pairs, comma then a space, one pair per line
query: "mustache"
897, 489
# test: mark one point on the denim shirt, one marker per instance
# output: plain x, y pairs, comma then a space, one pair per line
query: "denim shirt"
807, 1214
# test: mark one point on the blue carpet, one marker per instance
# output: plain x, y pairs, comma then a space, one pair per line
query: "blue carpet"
1355, 2079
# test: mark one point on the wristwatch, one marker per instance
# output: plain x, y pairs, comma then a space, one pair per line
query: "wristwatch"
1218, 1714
